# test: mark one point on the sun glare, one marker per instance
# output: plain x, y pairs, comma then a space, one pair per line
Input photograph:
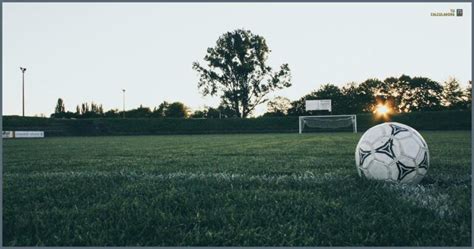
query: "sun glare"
382, 110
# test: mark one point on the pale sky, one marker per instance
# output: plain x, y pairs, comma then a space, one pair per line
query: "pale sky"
90, 51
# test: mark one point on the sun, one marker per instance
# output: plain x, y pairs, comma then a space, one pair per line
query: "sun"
382, 110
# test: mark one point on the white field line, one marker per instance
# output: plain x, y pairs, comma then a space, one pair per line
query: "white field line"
223, 176
427, 197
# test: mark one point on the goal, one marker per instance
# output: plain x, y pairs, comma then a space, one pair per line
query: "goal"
328, 123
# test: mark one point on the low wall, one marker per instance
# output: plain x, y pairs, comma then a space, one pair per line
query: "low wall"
445, 120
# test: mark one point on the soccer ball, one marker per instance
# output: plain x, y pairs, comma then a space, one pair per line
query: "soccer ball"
392, 152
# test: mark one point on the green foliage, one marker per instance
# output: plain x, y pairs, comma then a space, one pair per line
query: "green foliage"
374, 91
220, 112
356, 100
199, 114
140, 112
467, 97
278, 107
228, 190
225, 111
177, 110
59, 107
452, 95
403, 94
161, 111
92, 110
60, 111
329, 91
237, 71
422, 94
113, 113
86, 110
468, 92
351, 99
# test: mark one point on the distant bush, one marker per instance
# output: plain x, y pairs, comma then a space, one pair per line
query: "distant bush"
442, 120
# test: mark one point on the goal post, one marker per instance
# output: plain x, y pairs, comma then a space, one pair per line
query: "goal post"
328, 122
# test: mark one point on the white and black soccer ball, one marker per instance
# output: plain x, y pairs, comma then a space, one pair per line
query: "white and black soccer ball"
392, 152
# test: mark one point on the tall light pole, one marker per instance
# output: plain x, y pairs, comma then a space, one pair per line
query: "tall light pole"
23, 89
123, 90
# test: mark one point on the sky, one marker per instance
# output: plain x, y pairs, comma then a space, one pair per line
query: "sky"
83, 52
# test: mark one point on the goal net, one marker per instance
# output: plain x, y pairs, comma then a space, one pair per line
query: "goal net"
328, 123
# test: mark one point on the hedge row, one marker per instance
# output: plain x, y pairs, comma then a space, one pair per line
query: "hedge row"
446, 120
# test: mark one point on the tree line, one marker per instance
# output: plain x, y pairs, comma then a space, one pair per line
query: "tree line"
402, 94
235, 69
165, 109
93, 110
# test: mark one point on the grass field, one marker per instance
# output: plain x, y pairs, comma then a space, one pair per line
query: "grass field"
232, 190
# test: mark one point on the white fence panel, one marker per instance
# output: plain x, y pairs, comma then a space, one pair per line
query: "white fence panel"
28, 134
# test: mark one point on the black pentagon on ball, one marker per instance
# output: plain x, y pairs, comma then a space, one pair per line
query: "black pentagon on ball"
403, 170
397, 129
387, 149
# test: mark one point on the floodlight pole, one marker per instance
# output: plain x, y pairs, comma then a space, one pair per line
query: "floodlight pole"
23, 89
123, 90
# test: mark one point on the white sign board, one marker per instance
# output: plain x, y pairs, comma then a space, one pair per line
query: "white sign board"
317, 105
29, 134
7, 134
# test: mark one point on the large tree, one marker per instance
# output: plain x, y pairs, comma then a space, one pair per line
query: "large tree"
237, 71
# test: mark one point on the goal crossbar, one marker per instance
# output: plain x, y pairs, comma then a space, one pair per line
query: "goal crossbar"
316, 121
